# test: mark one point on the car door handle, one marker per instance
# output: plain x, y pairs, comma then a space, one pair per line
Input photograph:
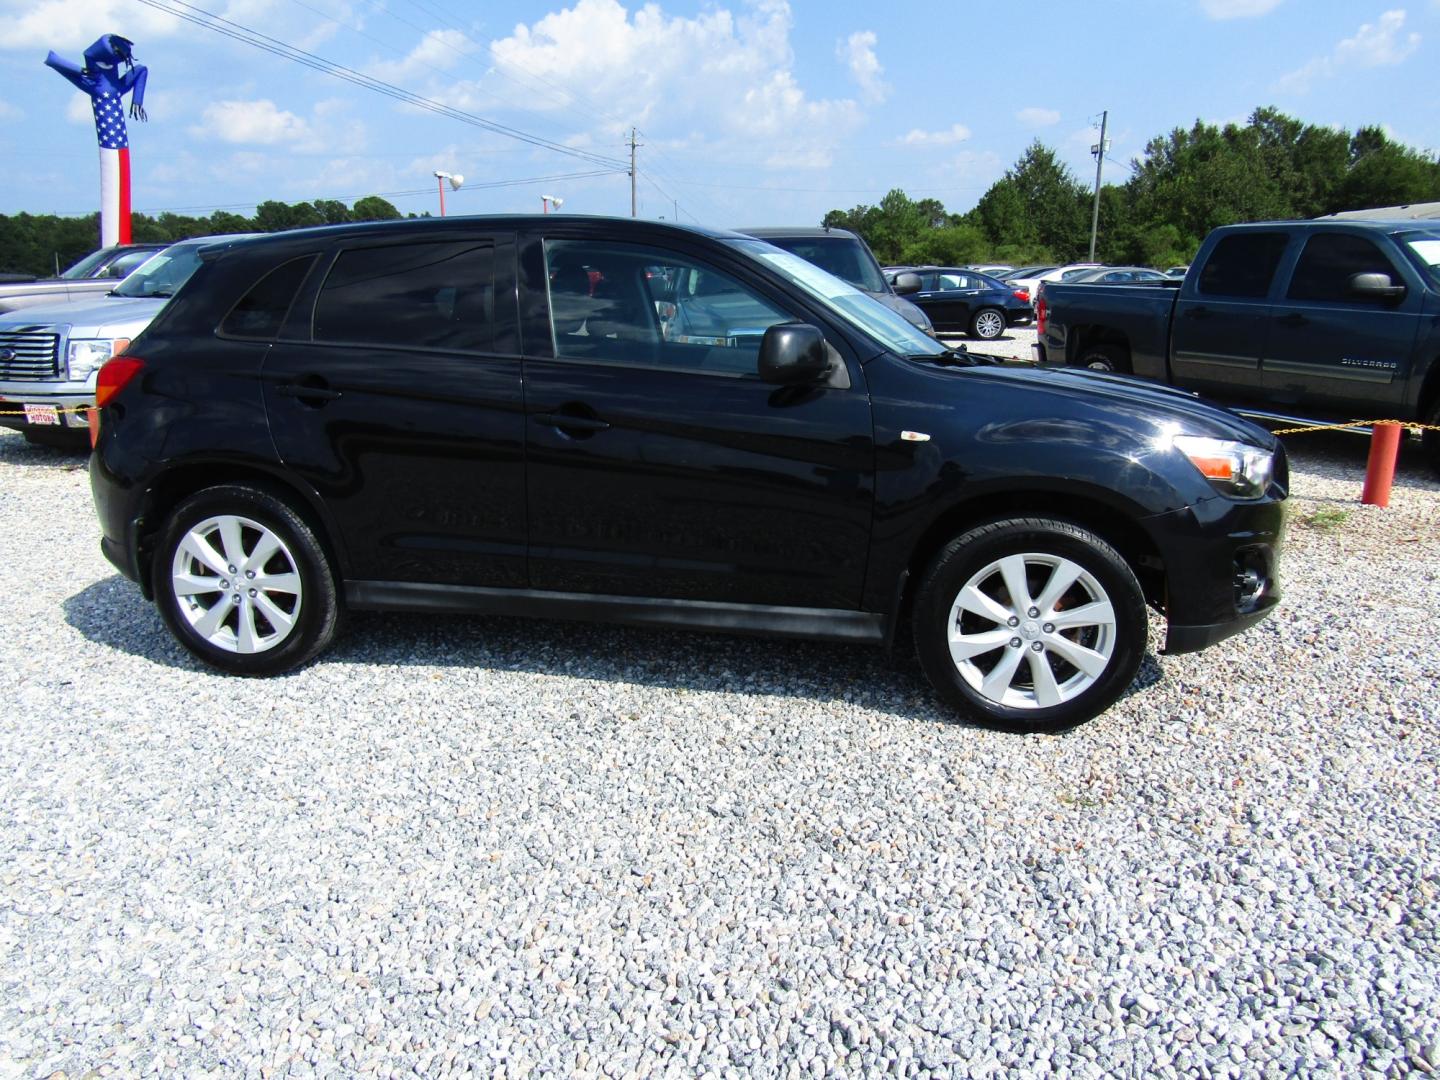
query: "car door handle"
311, 389
1200, 312
1293, 319
570, 422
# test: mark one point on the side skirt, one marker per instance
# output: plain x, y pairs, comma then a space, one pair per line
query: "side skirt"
817, 624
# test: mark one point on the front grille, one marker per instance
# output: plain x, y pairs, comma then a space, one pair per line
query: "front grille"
29, 355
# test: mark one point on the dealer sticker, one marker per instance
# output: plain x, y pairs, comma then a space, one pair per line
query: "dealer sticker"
42, 414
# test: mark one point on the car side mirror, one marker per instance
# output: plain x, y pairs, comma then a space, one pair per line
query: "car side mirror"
792, 353
905, 284
1375, 286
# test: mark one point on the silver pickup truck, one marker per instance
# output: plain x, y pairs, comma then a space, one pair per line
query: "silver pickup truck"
49, 355
94, 275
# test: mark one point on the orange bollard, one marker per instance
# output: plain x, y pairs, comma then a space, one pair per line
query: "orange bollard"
1380, 468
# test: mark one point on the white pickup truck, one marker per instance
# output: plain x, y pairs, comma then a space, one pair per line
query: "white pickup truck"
50, 354
94, 275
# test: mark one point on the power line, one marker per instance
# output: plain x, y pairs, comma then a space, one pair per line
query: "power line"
244, 34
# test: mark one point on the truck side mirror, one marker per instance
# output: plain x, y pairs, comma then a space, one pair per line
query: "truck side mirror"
792, 353
1375, 286
905, 284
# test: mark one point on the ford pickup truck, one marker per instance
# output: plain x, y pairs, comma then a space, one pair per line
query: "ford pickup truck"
1285, 320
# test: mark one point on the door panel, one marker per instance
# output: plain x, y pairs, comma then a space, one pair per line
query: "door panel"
417, 451
687, 485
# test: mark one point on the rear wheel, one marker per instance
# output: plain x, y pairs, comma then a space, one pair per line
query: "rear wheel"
1030, 624
243, 582
987, 324
1105, 358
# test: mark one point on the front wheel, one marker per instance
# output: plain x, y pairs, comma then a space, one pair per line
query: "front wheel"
1030, 624
243, 582
988, 324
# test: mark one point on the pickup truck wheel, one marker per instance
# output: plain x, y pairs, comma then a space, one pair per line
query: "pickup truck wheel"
1029, 624
243, 582
988, 324
1105, 358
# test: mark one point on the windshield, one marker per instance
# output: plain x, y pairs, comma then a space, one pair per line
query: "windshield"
1425, 248
161, 274
844, 256
86, 267
845, 300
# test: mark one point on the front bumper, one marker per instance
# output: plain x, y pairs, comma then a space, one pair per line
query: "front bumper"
71, 402
1222, 567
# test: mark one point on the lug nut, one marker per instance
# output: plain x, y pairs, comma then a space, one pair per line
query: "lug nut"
1034, 612
250, 574
224, 584
252, 592
236, 598
1014, 642
232, 569
1049, 628
1013, 621
1038, 647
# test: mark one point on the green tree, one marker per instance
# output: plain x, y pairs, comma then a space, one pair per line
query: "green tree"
373, 208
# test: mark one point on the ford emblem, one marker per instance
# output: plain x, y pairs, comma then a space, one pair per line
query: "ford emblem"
6, 355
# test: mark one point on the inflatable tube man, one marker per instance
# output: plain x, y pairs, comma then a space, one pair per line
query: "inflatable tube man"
105, 82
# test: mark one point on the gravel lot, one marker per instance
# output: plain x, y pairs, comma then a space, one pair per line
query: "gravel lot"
512, 847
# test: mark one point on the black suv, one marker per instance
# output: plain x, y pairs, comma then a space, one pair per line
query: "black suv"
637, 422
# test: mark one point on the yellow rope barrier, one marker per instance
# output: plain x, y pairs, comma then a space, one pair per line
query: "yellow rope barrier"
1415, 424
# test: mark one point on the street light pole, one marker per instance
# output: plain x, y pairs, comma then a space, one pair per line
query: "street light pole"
455, 181
1099, 151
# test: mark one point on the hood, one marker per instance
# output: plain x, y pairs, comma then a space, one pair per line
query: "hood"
102, 316
903, 307
1141, 404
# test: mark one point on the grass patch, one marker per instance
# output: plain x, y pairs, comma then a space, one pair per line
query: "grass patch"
1326, 518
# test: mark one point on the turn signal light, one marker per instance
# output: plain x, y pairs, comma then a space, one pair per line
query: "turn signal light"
1040, 307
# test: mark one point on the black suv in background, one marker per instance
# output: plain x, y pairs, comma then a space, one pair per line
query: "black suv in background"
637, 422
846, 255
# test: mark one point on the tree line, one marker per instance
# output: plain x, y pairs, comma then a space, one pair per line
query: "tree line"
1185, 183
36, 243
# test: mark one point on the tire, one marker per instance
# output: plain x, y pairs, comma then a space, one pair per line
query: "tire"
208, 543
987, 324
1430, 440
1105, 358
1038, 685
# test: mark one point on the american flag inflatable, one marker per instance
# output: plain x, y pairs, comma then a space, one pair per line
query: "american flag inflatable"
103, 79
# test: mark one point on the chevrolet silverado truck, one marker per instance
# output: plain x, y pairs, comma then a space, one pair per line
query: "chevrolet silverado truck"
1283, 320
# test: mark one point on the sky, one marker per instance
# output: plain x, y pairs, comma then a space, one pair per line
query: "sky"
748, 112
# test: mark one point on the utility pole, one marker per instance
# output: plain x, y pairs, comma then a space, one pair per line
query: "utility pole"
1099, 151
633, 145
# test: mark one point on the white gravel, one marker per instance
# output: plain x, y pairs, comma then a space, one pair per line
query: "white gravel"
459, 844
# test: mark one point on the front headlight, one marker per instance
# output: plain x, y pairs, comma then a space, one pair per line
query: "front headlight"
1233, 468
85, 355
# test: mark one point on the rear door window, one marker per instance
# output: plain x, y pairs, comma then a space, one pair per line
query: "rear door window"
1328, 262
1243, 265
431, 295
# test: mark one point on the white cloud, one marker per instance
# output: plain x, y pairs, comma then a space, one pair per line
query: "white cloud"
78, 110
68, 26
1238, 9
251, 123
1378, 44
918, 137
724, 78
1037, 117
858, 52
10, 112
438, 50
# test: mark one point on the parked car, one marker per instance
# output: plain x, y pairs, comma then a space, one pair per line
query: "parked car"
94, 275
1117, 275
444, 415
1316, 320
49, 355
1032, 282
963, 301
995, 270
1177, 271
1022, 272
847, 256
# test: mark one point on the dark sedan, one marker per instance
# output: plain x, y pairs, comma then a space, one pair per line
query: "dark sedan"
964, 301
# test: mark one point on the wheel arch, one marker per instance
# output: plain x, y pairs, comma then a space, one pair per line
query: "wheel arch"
179, 482
1112, 524
1091, 335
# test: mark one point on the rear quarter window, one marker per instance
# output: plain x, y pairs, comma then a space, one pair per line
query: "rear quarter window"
261, 311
